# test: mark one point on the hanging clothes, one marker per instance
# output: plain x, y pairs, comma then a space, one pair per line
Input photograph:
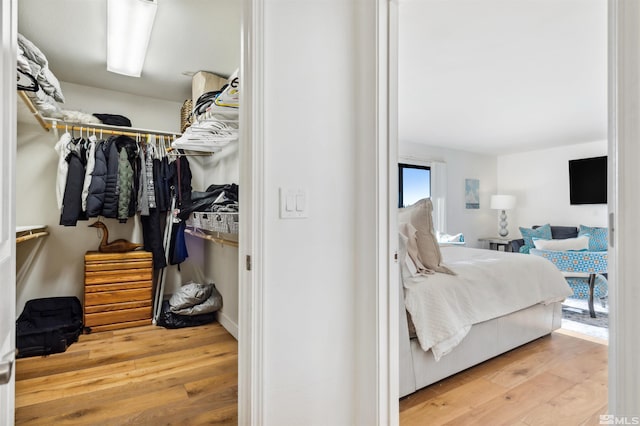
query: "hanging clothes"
152, 236
151, 191
150, 218
91, 161
128, 170
181, 181
143, 196
161, 189
136, 165
62, 148
112, 191
72, 200
98, 185
125, 182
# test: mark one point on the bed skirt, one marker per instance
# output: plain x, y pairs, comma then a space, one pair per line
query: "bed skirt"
484, 341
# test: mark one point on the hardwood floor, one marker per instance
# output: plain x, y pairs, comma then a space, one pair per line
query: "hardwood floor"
146, 375
154, 376
555, 380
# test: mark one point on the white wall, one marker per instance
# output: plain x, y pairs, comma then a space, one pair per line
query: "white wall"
462, 165
540, 181
319, 108
146, 113
221, 261
58, 270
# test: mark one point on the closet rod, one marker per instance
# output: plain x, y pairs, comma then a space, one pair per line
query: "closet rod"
53, 123
172, 151
31, 237
32, 109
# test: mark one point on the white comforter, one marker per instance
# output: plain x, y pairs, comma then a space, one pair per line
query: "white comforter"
488, 284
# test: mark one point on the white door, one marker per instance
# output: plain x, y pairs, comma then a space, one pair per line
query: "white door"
8, 27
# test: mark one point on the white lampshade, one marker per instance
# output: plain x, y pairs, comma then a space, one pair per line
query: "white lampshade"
503, 202
129, 25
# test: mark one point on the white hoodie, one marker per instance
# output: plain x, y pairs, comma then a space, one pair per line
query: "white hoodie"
62, 148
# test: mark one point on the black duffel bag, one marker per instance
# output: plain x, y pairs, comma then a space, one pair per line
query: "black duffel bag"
49, 325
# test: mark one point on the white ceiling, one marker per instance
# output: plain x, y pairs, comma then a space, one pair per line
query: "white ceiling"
492, 76
188, 36
500, 76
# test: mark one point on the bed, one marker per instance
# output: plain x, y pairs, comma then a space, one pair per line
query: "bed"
481, 304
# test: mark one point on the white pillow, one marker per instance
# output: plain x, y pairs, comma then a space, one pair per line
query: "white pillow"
419, 216
569, 244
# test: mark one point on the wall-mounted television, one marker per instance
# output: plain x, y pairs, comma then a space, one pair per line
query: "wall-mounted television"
588, 180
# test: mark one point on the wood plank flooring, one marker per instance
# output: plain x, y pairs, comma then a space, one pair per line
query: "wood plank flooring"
146, 375
556, 380
154, 376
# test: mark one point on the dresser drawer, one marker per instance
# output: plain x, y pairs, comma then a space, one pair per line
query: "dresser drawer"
111, 277
109, 297
117, 290
121, 316
116, 306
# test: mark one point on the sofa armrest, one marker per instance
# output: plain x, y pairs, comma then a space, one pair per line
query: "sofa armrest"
514, 245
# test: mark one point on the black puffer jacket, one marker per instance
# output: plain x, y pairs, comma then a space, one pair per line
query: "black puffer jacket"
110, 205
95, 198
72, 202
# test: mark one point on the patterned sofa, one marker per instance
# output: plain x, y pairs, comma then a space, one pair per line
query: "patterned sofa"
585, 268
557, 233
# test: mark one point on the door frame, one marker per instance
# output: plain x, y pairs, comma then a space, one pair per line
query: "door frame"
251, 239
8, 125
624, 200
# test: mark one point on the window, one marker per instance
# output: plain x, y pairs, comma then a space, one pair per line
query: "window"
414, 183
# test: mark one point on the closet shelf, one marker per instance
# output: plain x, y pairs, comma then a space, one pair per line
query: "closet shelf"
199, 233
54, 123
26, 233
48, 123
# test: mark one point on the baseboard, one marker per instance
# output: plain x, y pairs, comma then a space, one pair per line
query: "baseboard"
228, 324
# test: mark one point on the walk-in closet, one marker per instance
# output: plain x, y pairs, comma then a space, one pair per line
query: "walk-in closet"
162, 148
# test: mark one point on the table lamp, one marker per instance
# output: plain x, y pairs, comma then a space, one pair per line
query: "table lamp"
503, 202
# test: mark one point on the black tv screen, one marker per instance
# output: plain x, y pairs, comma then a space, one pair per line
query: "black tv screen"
588, 180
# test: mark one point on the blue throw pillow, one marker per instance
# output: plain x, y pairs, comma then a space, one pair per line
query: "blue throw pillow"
597, 237
543, 232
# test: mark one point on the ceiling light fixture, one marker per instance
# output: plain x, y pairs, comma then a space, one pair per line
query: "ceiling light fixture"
129, 25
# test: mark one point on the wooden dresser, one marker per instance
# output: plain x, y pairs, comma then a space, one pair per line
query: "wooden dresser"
117, 290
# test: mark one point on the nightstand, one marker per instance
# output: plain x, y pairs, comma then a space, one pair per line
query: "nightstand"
496, 242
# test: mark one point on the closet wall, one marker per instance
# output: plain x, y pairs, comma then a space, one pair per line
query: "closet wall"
221, 260
58, 268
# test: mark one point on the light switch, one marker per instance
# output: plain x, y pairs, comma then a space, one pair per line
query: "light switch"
290, 203
293, 203
300, 202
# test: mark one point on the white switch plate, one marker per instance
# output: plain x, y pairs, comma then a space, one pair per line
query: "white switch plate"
294, 203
